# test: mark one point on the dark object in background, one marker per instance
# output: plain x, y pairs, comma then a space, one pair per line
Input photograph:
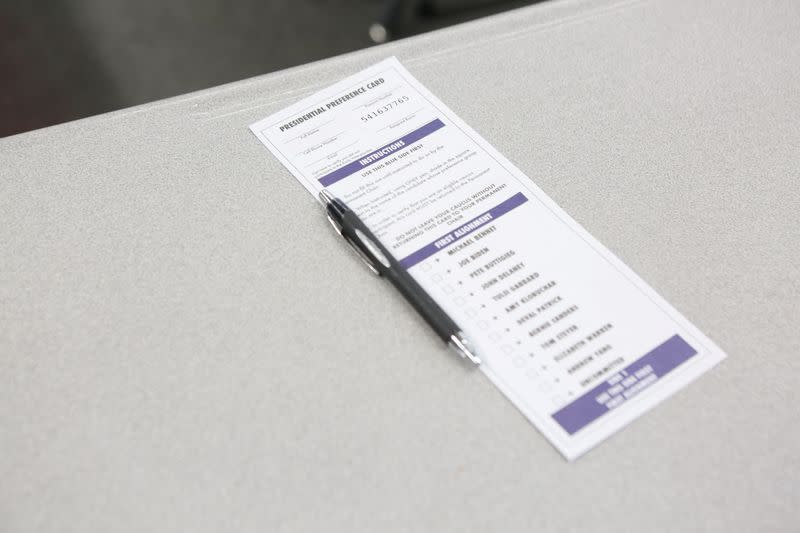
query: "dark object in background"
49, 73
67, 59
402, 18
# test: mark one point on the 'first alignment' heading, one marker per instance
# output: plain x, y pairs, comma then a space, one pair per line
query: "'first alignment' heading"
313, 113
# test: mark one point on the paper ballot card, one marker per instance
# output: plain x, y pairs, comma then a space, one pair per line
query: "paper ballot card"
574, 338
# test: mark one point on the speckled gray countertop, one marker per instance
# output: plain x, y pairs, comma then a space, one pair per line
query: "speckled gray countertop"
172, 350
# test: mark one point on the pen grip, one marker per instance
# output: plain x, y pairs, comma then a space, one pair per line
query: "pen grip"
389, 268
423, 303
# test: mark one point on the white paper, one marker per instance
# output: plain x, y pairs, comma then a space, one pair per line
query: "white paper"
574, 338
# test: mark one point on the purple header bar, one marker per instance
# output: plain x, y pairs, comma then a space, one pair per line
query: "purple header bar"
384, 151
624, 385
476, 223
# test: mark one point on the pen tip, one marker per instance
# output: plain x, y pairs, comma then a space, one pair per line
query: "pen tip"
462, 346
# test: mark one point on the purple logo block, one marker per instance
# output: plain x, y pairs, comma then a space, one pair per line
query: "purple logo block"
624, 385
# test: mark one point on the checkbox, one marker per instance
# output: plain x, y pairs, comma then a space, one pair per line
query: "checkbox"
459, 300
425, 267
471, 312
448, 289
483, 325
437, 278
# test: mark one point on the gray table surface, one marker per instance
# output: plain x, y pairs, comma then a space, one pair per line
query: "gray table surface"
173, 347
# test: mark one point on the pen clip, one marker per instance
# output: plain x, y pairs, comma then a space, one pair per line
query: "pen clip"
336, 225
364, 257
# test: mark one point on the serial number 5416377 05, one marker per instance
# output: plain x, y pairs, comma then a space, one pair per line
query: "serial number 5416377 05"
374, 113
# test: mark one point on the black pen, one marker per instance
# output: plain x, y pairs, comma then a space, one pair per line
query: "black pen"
380, 262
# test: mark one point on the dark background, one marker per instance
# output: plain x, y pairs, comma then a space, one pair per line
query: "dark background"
65, 59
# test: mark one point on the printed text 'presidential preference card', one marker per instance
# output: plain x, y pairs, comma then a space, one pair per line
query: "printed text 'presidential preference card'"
577, 341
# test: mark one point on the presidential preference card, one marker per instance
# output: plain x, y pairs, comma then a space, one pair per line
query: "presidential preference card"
573, 337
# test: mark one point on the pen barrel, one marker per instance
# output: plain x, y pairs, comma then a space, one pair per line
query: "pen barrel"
389, 268
420, 300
